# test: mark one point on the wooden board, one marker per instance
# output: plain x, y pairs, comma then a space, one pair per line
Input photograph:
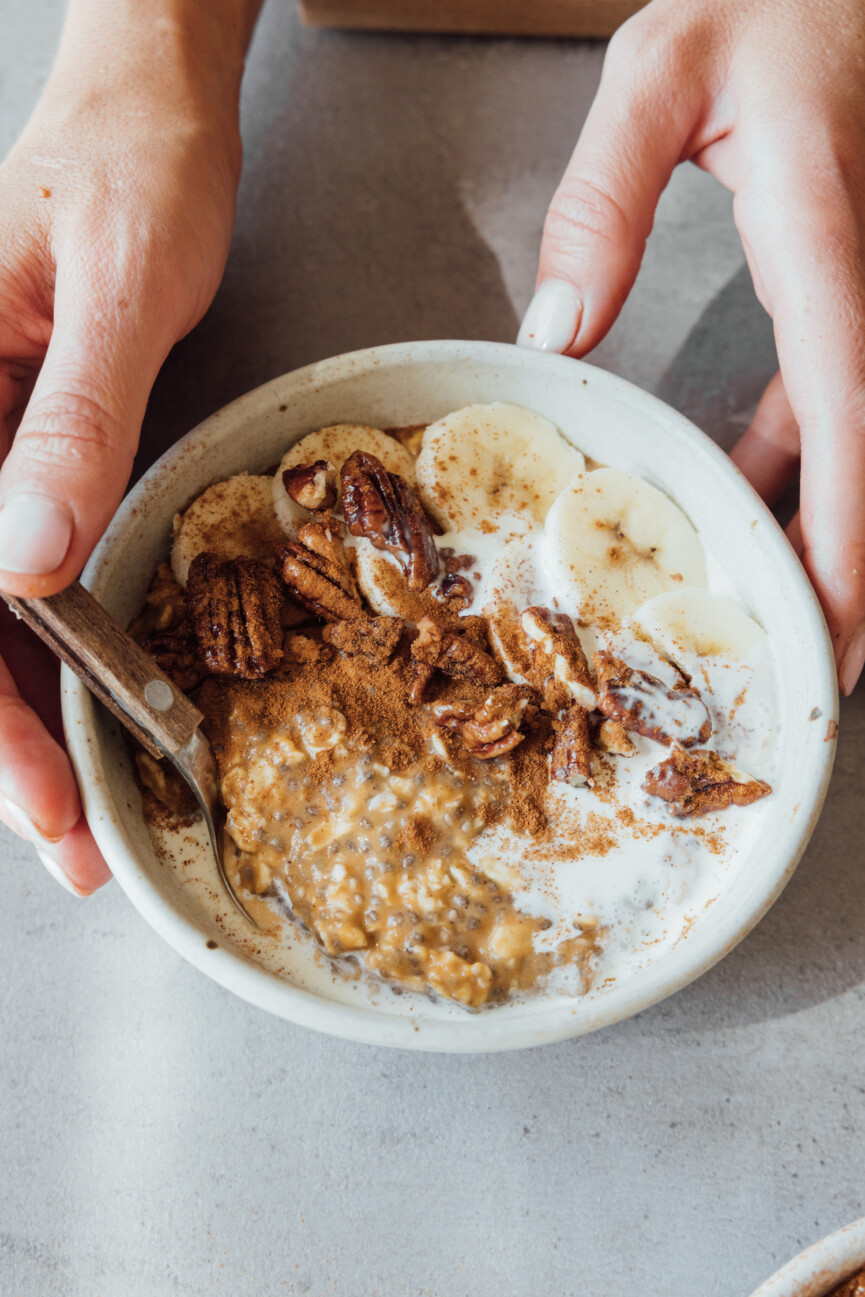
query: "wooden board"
474, 17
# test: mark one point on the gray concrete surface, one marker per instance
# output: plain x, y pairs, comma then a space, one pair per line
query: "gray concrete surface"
157, 1136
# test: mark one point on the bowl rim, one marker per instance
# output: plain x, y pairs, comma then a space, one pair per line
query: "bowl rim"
821, 1267
306, 1008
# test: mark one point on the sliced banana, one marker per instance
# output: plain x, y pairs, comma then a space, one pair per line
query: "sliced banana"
611, 542
336, 443
381, 581
694, 621
489, 465
233, 519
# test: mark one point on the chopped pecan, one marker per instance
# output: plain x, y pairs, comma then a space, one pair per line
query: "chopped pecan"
559, 666
446, 647
455, 591
571, 761
613, 737
312, 486
235, 610
643, 703
383, 507
419, 678
176, 653
454, 562
317, 583
324, 539
164, 606
492, 729
375, 638
699, 781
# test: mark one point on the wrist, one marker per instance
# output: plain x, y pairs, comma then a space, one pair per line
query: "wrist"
182, 54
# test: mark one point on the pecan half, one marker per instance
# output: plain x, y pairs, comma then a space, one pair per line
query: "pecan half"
312, 486
492, 729
696, 782
176, 653
235, 610
445, 646
317, 583
383, 507
324, 539
454, 562
571, 761
375, 638
559, 666
643, 703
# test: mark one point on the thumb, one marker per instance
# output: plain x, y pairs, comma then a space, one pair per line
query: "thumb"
72, 455
643, 116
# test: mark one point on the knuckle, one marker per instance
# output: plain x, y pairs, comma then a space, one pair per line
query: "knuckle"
67, 428
584, 210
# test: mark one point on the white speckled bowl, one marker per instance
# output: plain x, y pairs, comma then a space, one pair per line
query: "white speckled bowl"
411, 383
819, 1270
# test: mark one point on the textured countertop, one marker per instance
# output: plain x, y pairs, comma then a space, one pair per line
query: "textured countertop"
157, 1135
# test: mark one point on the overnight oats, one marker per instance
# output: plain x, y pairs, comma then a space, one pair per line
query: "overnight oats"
488, 719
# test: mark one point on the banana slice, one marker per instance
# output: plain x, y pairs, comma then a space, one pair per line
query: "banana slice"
611, 542
486, 465
381, 581
694, 621
233, 519
336, 443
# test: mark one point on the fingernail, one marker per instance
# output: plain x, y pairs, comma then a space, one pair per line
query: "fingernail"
853, 661
553, 317
58, 875
35, 532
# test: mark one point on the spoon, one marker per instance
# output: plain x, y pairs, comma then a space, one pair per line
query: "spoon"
130, 684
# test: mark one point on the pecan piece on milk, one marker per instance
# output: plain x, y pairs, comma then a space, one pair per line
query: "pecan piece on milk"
456, 592
383, 507
176, 653
317, 583
571, 761
235, 610
312, 486
492, 729
559, 666
699, 781
375, 638
644, 704
453, 649
614, 738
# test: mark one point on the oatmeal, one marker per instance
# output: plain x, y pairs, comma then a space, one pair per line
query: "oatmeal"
853, 1287
487, 720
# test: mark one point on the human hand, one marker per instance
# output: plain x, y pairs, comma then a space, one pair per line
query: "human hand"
768, 96
116, 209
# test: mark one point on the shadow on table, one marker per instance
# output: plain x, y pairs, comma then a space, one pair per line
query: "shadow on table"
351, 228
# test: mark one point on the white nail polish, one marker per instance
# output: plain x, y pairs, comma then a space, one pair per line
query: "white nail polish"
853, 661
35, 532
57, 874
553, 318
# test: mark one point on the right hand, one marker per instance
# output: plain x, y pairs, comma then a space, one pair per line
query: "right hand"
116, 210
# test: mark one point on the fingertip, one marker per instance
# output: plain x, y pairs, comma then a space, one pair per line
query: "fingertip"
552, 320
77, 859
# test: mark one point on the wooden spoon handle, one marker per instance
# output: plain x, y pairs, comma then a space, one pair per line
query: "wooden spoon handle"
112, 666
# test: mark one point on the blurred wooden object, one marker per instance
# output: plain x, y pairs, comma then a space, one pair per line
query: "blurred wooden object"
474, 17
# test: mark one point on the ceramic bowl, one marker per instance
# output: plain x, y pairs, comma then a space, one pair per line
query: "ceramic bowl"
819, 1270
613, 422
